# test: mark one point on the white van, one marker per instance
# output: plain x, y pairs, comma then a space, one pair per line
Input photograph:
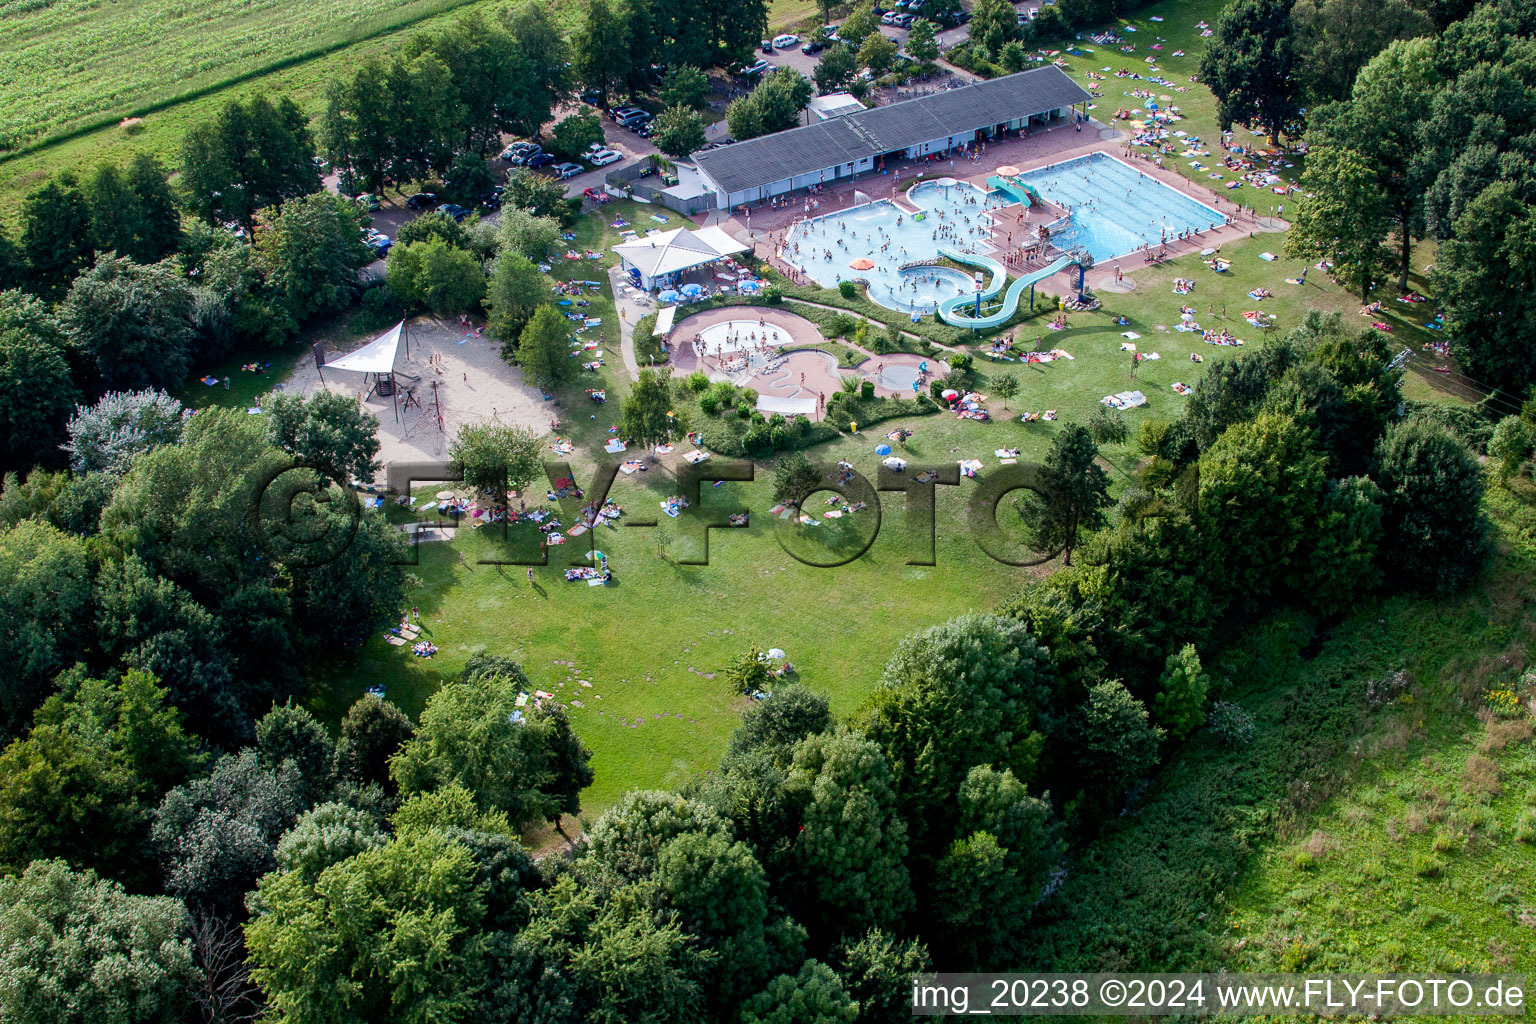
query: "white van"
785, 41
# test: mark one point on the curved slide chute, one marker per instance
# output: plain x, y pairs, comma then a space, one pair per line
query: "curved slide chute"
953, 311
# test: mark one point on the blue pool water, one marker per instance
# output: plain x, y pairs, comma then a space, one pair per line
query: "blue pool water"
889, 235
918, 289
1116, 209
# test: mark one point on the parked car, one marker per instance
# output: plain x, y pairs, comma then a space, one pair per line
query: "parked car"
604, 157
492, 200
903, 20
829, 33
646, 130
455, 211
591, 97
619, 113
368, 201
632, 119
525, 156
754, 69
812, 48
540, 160
767, 45
422, 201
888, 18
597, 195
517, 149
785, 41
563, 171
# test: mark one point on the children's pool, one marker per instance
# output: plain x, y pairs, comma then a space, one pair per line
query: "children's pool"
888, 236
1116, 209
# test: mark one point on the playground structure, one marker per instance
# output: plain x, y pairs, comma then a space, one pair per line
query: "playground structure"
954, 311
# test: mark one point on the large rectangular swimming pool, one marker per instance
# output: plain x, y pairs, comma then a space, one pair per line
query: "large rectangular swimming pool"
1116, 209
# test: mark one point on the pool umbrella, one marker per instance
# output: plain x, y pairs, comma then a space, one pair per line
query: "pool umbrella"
668, 296
774, 652
883, 449
862, 263
444, 495
749, 286
692, 290
895, 463
947, 182
1007, 170
950, 394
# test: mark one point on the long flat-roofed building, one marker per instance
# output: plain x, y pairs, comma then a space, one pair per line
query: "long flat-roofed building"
846, 146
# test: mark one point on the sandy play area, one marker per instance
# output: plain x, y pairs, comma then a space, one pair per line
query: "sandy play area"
472, 381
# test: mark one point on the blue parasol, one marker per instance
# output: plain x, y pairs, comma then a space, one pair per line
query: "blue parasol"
883, 449
668, 296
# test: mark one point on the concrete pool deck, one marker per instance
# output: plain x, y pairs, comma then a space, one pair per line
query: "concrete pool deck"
765, 227
806, 378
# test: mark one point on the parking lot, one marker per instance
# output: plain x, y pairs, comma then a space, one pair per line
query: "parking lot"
632, 147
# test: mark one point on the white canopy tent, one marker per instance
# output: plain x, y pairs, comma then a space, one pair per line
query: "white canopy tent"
377, 360
663, 253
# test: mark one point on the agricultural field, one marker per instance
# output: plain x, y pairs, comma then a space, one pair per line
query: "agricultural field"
70, 64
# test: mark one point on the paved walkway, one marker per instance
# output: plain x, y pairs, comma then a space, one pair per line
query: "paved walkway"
629, 314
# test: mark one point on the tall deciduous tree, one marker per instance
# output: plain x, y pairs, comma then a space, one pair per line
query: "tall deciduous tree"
133, 212
475, 735
600, 53
1074, 492
1433, 490
847, 867
328, 431
679, 132
246, 157
647, 418
836, 68
1346, 218
433, 276
132, 322
953, 696
120, 427
994, 24
310, 251
1260, 485
390, 933
1336, 38
499, 457
685, 86
372, 733
921, 44
37, 392
516, 291
543, 351
1251, 66
55, 235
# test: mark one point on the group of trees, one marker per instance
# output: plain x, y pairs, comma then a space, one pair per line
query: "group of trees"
444, 96
1411, 134
146, 555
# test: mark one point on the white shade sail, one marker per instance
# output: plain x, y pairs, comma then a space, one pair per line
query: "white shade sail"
378, 356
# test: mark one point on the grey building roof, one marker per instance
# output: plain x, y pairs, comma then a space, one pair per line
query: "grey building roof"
878, 130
